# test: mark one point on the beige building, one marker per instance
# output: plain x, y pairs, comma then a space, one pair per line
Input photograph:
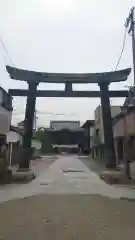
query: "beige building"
99, 130
124, 129
123, 124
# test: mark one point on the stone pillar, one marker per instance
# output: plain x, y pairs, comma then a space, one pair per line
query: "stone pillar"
28, 125
116, 147
68, 87
88, 137
107, 126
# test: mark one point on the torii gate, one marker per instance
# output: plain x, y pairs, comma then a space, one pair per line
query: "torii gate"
102, 79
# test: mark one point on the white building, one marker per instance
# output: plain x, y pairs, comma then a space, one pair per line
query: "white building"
5, 111
14, 140
13, 136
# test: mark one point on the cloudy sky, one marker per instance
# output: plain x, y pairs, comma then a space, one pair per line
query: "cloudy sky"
63, 36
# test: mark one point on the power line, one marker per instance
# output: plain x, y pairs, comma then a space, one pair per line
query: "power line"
5, 49
122, 50
44, 113
50, 113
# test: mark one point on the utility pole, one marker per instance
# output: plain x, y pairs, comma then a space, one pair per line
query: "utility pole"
130, 24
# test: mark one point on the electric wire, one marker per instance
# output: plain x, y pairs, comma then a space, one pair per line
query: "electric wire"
6, 51
122, 50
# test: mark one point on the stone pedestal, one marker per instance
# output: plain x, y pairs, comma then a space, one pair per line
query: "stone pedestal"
23, 175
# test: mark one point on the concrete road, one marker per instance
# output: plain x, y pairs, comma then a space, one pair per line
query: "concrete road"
67, 217
66, 175
66, 201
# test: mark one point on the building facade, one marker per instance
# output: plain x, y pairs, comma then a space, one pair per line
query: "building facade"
63, 134
88, 131
123, 124
98, 130
124, 130
14, 141
124, 133
59, 125
5, 111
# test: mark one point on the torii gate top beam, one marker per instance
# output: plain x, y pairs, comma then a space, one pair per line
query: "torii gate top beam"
25, 75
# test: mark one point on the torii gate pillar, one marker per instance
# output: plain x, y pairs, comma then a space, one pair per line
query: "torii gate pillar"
107, 126
28, 125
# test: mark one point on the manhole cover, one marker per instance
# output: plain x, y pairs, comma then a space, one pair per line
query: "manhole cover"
44, 184
72, 170
80, 178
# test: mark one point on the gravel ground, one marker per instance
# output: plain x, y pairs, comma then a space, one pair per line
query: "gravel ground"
67, 217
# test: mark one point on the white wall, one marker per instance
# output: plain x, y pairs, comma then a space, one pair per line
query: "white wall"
5, 116
115, 110
13, 137
92, 136
5, 120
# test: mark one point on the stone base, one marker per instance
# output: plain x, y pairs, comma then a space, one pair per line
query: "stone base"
112, 177
6, 176
23, 175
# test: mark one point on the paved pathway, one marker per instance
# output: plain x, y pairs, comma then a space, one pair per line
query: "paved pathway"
67, 204
67, 175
